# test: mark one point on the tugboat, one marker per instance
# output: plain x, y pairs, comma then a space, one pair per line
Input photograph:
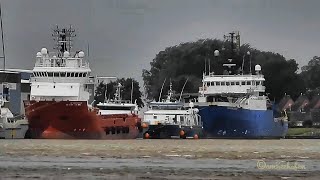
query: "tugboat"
61, 90
233, 105
11, 127
169, 119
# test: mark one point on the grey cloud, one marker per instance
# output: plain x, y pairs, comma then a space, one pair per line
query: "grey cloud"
125, 35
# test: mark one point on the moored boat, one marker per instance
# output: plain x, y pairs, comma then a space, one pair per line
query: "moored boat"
234, 105
61, 90
11, 127
169, 119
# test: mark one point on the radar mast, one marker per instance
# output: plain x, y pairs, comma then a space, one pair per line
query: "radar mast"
63, 38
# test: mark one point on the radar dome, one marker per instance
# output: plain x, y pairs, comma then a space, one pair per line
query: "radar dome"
66, 54
216, 53
39, 54
44, 51
257, 67
81, 54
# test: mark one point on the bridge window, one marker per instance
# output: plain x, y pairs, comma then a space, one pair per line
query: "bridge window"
223, 83
63, 74
258, 83
56, 74
232, 83
212, 83
154, 117
72, 75
217, 83
228, 83
243, 83
248, 82
237, 83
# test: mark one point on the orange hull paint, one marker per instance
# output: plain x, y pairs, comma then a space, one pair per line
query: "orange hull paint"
74, 120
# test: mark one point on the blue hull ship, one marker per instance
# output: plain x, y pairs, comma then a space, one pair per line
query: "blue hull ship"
234, 104
225, 122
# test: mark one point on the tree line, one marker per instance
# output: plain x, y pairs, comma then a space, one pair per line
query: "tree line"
189, 61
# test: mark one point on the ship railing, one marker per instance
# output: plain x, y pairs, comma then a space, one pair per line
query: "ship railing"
236, 75
61, 62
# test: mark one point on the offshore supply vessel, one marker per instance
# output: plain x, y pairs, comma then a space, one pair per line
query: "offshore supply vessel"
234, 105
170, 119
61, 90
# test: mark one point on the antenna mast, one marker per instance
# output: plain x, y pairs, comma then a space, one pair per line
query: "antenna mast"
234, 39
3, 50
63, 38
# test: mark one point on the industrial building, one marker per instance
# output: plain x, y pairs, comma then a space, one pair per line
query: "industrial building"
18, 83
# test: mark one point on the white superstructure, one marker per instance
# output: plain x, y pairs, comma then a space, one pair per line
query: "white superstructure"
63, 75
168, 112
117, 105
237, 90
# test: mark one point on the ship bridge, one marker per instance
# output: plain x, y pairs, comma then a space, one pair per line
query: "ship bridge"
60, 78
232, 84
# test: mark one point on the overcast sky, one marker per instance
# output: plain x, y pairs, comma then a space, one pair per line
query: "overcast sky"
125, 35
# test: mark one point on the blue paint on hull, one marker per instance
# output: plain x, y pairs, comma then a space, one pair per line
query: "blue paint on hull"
227, 122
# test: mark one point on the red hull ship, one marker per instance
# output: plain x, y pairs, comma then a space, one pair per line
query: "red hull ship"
74, 120
61, 87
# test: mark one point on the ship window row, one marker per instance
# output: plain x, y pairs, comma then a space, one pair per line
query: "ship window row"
59, 74
115, 108
234, 83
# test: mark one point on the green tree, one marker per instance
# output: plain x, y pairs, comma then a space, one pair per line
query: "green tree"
192, 59
311, 73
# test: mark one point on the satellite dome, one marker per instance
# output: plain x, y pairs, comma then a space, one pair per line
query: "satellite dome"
54, 56
66, 54
39, 54
44, 51
81, 54
191, 104
216, 52
257, 67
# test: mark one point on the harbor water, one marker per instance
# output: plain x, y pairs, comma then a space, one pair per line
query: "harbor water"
160, 159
